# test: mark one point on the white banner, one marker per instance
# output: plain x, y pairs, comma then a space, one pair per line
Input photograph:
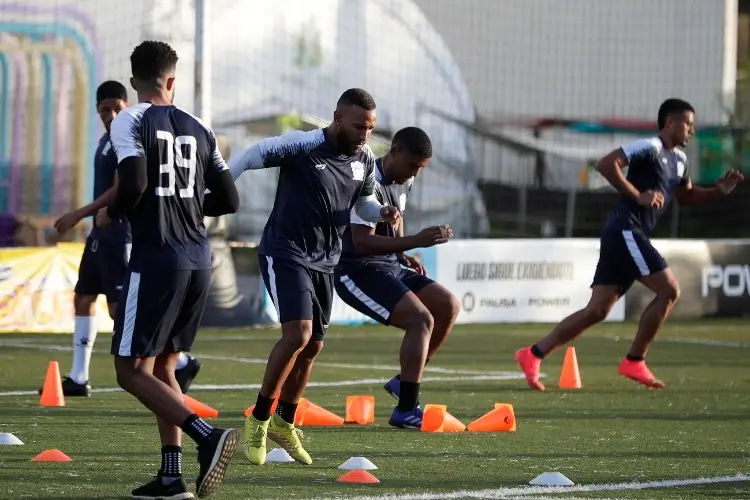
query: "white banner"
515, 281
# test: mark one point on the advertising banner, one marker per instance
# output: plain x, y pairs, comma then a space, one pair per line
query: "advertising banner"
36, 289
518, 281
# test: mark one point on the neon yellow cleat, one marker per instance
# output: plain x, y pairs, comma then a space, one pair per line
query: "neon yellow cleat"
255, 440
288, 438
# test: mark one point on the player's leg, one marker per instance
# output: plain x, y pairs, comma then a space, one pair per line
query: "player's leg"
443, 307
382, 296
213, 457
281, 428
613, 277
88, 287
291, 291
661, 280
143, 330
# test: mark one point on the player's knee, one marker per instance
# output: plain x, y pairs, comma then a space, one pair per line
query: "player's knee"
450, 307
422, 320
596, 313
84, 304
311, 350
670, 293
297, 337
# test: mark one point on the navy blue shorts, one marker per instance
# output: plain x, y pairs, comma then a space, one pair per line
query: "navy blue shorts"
298, 293
624, 257
103, 268
374, 290
160, 312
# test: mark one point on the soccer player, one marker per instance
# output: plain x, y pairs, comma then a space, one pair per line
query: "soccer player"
324, 173
657, 172
369, 276
105, 257
171, 174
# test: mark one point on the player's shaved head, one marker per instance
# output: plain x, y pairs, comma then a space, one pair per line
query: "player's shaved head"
153, 65
676, 122
353, 120
414, 141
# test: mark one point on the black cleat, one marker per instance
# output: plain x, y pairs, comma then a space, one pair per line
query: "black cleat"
157, 490
186, 375
73, 389
213, 459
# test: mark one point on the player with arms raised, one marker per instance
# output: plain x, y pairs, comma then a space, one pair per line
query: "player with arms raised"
323, 174
657, 172
369, 276
167, 160
105, 257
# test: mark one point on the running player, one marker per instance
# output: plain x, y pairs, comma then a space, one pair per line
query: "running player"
657, 172
323, 174
369, 276
105, 257
167, 161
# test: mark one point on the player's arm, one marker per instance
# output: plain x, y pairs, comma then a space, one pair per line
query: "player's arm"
70, 219
131, 158
611, 169
275, 151
368, 208
222, 197
687, 194
366, 242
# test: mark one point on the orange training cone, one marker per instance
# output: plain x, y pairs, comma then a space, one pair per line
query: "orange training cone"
299, 415
52, 393
501, 419
315, 415
452, 424
200, 409
358, 476
51, 456
360, 409
570, 377
273, 408
433, 418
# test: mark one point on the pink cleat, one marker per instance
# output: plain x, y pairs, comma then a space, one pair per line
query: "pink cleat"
531, 366
638, 371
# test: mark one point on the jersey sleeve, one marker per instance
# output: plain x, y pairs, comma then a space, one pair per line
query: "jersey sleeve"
368, 187
640, 148
685, 177
125, 134
277, 151
216, 161
359, 221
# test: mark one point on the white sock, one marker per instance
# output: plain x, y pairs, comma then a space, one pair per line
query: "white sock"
84, 335
182, 361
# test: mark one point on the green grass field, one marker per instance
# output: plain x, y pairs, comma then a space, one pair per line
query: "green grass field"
609, 433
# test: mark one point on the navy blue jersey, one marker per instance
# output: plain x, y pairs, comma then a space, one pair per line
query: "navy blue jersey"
317, 189
390, 194
105, 166
650, 167
181, 155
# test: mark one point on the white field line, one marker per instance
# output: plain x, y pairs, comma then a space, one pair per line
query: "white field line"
262, 361
533, 492
340, 383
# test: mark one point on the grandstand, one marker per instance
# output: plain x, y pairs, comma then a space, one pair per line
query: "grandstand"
521, 98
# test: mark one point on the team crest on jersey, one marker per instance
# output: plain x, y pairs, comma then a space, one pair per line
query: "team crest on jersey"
402, 202
358, 171
680, 169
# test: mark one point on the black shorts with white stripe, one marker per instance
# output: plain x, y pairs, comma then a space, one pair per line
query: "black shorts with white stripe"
159, 312
374, 289
298, 292
625, 256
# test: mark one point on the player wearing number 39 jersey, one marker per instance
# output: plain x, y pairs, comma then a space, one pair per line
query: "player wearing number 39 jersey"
171, 174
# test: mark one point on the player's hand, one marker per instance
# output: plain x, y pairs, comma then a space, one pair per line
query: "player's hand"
392, 215
67, 222
729, 181
434, 235
413, 264
651, 199
102, 219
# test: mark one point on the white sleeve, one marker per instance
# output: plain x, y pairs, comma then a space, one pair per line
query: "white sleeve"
356, 219
125, 133
368, 208
640, 147
276, 151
